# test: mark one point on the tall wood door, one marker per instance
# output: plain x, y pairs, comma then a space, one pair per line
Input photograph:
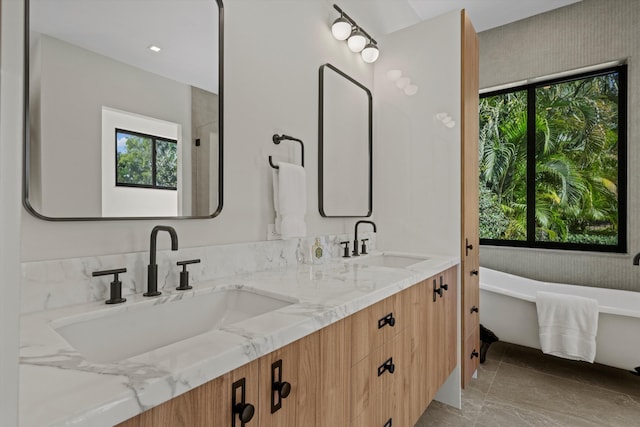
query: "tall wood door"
470, 200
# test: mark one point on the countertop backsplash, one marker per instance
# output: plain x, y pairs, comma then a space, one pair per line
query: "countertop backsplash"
58, 283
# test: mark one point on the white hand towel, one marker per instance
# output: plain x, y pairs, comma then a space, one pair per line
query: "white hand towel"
290, 200
568, 325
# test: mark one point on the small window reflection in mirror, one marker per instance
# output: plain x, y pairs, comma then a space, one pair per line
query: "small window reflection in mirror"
146, 161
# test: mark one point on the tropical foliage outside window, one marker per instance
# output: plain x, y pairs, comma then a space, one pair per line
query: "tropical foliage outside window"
146, 161
552, 163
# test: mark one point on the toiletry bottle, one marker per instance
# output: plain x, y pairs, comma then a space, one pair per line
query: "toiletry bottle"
317, 252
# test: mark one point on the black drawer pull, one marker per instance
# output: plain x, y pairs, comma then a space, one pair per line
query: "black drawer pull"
474, 353
279, 389
389, 423
436, 291
239, 406
387, 366
474, 309
468, 247
387, 320
474, 272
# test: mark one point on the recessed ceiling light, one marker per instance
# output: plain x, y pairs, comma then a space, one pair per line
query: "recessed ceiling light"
154, 48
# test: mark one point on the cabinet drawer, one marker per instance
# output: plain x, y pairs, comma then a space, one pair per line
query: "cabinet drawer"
373, 326
377, 383
471, 347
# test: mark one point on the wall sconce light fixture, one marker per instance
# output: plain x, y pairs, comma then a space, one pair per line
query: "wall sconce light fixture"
358, 40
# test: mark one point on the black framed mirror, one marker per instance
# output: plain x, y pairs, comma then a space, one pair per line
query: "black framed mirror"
124, 109
345, 144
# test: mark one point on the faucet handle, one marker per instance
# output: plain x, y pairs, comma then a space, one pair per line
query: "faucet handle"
346, 249
363, 249
115, 296
184, 274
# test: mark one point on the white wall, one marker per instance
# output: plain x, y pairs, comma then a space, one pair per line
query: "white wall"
417, 162
71, 102
10, 207
417, 159
273, 51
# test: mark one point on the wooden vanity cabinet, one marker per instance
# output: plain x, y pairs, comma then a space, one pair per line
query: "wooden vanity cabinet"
380, 367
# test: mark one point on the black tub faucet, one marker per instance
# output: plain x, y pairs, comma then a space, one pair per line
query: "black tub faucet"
152, 268
355, 235
636, 259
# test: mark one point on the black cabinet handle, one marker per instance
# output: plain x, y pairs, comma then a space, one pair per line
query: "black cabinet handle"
436, 290
284, 388
388, 365
474, 272
279, 389
389, 423
474, 309
468, 246
245, 411
387, 320
474, 353
239, 406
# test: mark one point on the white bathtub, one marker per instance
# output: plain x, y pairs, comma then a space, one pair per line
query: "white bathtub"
507, 307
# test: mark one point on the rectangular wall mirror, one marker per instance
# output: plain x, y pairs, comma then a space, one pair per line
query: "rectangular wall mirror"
123, 118
345, 145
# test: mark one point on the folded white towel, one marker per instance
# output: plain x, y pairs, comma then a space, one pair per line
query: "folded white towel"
568, 325
290, 200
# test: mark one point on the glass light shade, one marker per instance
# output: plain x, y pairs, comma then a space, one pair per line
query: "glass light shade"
341, 28
370, 53
410, 89
402, 82
394, 75
357, 41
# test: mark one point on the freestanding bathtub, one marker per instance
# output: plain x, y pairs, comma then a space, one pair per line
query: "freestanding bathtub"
507, 307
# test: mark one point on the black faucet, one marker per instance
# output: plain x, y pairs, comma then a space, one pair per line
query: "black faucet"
152, 269
636, 259
355, 235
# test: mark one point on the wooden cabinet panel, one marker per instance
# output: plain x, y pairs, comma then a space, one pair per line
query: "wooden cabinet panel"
450, 329
377, 383
471, 359
470, 244
333, 370
206, 406
279, 366
375, 325
416, 303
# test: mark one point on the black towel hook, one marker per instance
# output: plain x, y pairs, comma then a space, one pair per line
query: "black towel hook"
276, 140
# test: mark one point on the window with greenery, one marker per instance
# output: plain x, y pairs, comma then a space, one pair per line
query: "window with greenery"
553, 163
146, 161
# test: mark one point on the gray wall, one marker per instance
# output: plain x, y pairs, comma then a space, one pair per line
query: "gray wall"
583, 34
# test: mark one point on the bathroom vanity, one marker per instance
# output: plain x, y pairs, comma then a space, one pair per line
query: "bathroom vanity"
359, 344
381, 366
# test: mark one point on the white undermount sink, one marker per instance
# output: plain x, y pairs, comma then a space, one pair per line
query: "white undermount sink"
390, 260
127, 331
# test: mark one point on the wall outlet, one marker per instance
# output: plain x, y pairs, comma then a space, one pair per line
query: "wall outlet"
271, 233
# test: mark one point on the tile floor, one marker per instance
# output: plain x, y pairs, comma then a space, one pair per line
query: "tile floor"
519, 386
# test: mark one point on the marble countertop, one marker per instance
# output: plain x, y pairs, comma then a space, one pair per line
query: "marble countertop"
59, 387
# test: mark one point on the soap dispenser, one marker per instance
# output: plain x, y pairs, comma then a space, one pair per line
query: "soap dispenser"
317, 252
